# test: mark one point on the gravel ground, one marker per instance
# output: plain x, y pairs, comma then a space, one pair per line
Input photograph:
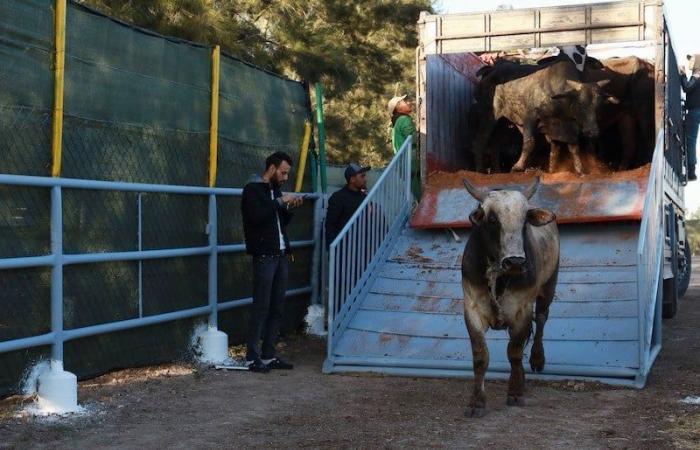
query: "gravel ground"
182, 406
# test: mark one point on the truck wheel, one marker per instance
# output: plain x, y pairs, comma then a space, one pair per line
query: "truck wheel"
684, 268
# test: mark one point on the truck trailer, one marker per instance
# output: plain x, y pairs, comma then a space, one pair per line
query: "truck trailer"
394, 283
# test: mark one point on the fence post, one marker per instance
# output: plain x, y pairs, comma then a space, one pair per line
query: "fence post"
214, 114
321, 127
57, 389
213, 343
303, 153
407, 155
59, 70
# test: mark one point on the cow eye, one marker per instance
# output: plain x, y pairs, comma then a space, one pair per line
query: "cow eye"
492, 218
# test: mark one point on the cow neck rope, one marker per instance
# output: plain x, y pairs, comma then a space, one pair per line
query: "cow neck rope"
493, 271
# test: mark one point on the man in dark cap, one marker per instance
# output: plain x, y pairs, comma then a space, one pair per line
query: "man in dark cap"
344, 202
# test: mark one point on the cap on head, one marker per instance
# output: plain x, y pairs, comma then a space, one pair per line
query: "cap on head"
353, 169
695, 61
391, 106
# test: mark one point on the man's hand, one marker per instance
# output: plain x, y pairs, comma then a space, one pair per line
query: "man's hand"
292, 200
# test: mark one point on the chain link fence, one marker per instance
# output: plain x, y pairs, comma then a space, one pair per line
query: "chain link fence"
136, 109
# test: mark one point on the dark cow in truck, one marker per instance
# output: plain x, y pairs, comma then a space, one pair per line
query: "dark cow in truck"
631, 80
509, 265
551, 100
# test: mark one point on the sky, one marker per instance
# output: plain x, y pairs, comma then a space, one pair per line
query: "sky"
683, 18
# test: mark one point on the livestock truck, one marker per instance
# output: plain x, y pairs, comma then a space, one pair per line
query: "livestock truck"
394, 287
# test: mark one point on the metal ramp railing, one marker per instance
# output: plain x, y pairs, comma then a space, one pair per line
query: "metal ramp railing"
363, 242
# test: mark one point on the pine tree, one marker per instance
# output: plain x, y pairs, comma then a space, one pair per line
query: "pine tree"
359, 49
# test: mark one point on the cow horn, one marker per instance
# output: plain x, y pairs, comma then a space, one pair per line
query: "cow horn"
530, 190
476, 193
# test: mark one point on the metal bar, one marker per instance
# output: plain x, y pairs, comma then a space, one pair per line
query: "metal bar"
331, 295
212, 228
59, 72
597, 26
74, 183
57, 274
493, 366
451, 373
90, 258
321, 127
134, 323
214, 114
21, 344
303, 152
140, 247
231, 304
77, 333
316, 256
24, 262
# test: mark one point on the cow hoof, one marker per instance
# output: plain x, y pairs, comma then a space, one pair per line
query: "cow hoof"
517, 169
475, 413
515, 400
537, 364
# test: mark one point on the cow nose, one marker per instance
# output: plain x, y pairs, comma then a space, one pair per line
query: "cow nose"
513, 262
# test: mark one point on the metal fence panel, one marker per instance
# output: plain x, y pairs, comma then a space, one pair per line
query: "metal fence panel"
135, 257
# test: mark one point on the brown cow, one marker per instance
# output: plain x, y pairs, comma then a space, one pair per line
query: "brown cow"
509, 265
631, 80
555, 102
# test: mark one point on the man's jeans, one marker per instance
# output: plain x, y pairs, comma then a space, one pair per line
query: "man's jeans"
692, 121
269, 287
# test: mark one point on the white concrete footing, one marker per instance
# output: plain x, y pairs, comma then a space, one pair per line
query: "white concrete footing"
213, 346
57, 391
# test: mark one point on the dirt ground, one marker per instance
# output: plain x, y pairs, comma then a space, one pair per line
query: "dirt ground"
179, 406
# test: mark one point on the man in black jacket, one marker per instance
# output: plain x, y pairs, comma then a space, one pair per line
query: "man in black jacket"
692, 117
344, 202
265, 217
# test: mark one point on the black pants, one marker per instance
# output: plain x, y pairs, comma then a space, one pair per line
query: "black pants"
269, 287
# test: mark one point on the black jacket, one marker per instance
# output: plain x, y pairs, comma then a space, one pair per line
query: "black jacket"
341, 206
260, 221
692, 91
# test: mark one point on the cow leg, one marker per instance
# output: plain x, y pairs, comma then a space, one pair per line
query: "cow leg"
516, 383
480, 357
578, 165
528, 147
545, 298
481, 141
553, 156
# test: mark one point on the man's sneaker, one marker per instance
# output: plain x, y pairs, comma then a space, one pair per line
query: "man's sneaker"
257, 366
276, 363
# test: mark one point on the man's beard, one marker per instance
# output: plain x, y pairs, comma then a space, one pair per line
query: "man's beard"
274, 182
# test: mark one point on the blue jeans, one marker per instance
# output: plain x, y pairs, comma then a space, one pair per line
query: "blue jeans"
692, 121
269, 287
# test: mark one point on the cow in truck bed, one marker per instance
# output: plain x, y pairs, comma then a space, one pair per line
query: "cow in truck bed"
631, 80
552, 100
509, 265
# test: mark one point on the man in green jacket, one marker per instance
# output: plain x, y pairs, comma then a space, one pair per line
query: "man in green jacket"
402, 127
401, 122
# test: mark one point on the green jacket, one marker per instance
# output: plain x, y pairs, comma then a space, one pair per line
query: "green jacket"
403, 128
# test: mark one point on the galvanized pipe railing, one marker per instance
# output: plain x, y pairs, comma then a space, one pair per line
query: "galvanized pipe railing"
356, 250
57, 259
650, 252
